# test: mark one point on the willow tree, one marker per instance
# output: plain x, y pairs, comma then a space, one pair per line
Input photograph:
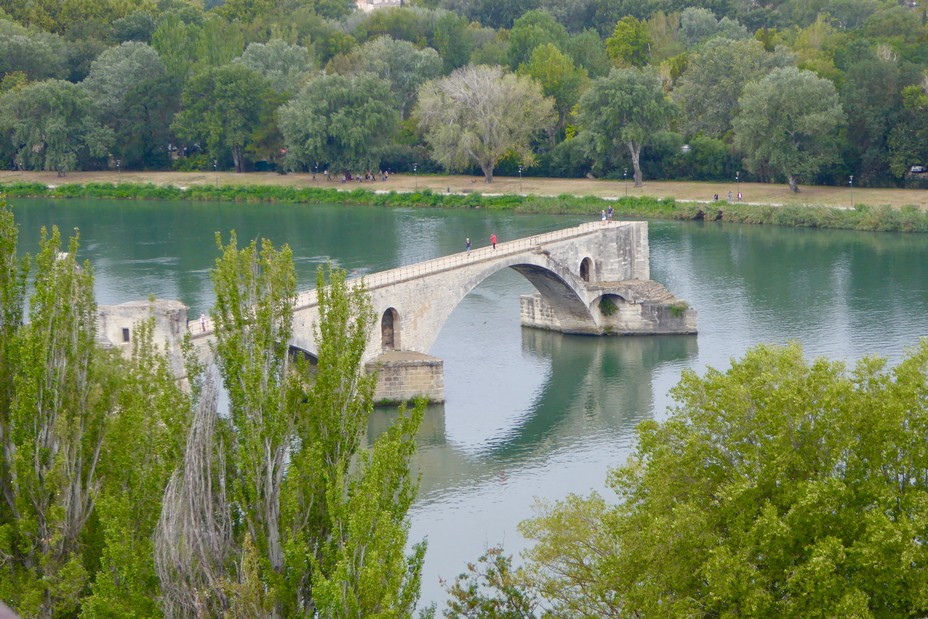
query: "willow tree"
478, 115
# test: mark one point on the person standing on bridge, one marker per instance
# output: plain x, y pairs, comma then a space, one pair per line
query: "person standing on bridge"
467, 244
493, 240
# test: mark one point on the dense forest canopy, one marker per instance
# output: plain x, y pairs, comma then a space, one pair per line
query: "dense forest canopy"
191, 84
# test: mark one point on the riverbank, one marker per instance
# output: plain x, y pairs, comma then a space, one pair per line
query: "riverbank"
874, 209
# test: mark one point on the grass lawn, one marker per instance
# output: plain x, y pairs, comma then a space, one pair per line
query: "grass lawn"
756, 193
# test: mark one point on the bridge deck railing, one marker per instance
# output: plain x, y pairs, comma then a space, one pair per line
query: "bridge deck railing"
307, 298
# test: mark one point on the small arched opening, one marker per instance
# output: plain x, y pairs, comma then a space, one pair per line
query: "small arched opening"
586, 267
390, 330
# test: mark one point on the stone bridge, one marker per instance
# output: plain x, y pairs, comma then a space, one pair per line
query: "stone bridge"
592, 279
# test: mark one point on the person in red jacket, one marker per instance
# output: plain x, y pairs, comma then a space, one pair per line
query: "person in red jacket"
493, 240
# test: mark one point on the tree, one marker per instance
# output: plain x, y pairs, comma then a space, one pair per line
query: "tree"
788, 122
222, 107
52, 126
622, 111
452, 39
478, 114
143, 446
284, 66
560, 79
321, 521
630, 43
780, 487
116, 71
399, 63
52, 436
345, 122
709, 88
37, 54
533, 29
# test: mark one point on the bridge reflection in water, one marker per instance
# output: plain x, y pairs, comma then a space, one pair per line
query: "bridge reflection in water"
593, 389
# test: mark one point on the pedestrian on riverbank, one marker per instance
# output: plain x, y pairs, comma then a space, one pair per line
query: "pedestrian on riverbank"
602, 216
202, 323
493, 240
609, 213
467, 244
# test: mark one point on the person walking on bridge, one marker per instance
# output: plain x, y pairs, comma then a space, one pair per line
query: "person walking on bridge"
467, 244
493, 240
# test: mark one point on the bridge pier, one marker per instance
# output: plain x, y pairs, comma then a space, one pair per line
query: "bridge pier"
405, 375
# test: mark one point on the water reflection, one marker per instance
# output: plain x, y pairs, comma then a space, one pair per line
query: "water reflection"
559, 433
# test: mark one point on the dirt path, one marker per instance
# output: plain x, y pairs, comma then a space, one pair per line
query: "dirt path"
755, 193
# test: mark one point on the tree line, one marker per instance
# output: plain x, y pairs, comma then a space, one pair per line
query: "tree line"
127, 492
831, 92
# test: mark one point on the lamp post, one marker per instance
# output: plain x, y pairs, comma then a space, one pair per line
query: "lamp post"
738, 183
625, 181
315, 170
415, 170
520, 179
216, 172
117, 167
851, 184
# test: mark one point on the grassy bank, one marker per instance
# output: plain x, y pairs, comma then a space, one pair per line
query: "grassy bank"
862, 217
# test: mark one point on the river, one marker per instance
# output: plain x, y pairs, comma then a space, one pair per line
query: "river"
530, 415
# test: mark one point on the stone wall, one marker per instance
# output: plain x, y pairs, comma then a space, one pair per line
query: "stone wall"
116, 326
403, 376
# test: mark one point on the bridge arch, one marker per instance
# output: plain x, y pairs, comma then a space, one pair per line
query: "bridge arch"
295, 352
586, 268
390, 329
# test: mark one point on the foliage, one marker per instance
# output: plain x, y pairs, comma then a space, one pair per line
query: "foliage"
114, 73
787, 124
51, 126
491, 588
399, 63
39, 55
560, 80
630, 43
709, 89
780, 487
342, 123
284, 66
223, 106
622, 111
477, 115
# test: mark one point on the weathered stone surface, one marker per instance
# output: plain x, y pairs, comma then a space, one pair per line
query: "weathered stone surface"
573, 270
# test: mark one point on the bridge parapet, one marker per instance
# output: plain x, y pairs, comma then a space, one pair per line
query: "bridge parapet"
589, 280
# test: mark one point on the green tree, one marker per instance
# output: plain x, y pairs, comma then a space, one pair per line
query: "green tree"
53, 435
223, 107
477, 115
588, 51
788, 123
622, 112
630, 43
452, 39
284, 66
715, 76
116, 71
345, 122
51, 126
38, 54
779, 488
144, 444
533, 29
560, 79
399, 63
